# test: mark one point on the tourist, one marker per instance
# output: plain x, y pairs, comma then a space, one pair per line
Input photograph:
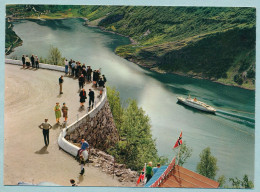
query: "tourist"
73, 65
57, 112
32, 61
23, 61
66, 63
155, 169
79, 69
148, 172
45, 130
91, 95
27, 61
76, 69
104, 79
84, 146
36, 62
100, 86
73, 183
81, 81
89, 71
60, 83
64, 110
82, 163
70, 67
84, 72
95, 79
83, 97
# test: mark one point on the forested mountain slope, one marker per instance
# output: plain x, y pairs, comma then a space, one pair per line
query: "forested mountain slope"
217, 43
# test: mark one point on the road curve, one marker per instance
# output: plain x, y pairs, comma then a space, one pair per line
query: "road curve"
30, 97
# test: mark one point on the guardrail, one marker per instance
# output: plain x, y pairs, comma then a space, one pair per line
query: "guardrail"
41, 65
66, 145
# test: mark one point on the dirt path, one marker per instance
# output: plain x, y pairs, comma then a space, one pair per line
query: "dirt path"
30, 96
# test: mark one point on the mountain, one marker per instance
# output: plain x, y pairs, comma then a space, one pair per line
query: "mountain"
216, 43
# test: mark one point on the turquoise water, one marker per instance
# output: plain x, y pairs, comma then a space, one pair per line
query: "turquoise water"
230, 133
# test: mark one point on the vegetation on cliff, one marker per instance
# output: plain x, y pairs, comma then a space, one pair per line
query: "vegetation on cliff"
136, 146
11, 39
217, 43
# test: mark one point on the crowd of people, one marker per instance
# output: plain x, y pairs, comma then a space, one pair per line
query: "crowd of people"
33, 61
85, 75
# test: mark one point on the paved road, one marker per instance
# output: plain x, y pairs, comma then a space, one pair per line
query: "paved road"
30, 97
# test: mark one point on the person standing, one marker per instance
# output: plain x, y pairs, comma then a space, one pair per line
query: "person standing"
149, 171
83, 97
100, 86
66, 63
82, 163
89, 71
104, 79
27, 61
155, 169
57, 112
70, 67
60, 83
45, 130
81, 81
64, 110
23, 61
91, 95
73, 65
32, 61
36, 62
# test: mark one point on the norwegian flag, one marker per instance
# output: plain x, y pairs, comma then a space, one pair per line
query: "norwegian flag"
142, 176
178, 142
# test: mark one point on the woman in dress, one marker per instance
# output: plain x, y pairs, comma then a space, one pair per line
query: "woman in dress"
83, 97
57, 112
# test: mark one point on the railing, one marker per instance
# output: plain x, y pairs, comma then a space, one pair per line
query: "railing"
76, 120
66, 145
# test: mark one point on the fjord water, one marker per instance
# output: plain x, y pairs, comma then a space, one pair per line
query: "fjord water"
230, 133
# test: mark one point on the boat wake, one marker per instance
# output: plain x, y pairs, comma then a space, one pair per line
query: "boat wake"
236, 117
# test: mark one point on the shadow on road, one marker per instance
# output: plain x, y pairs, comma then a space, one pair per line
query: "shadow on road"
59, 96
81, 109
56, 126
42, 151
81, 178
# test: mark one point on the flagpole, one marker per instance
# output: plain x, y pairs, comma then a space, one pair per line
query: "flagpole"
179, 151
144, 173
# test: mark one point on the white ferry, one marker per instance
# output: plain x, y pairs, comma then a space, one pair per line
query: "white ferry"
193, 102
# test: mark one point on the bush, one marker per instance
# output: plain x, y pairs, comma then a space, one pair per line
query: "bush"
136, 146
55, 57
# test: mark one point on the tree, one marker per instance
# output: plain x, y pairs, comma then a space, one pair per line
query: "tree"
185, 153
208, 164
245, 183
55, 56
221, 180
136, 145
115, 106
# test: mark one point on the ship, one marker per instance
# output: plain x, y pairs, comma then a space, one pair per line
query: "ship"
193, 102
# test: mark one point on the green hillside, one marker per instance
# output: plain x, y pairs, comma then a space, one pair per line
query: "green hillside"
11, 39
205, 42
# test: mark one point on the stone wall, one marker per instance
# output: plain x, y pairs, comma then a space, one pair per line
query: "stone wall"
99, 130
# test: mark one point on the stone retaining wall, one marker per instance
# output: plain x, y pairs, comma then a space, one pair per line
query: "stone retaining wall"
98, 128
